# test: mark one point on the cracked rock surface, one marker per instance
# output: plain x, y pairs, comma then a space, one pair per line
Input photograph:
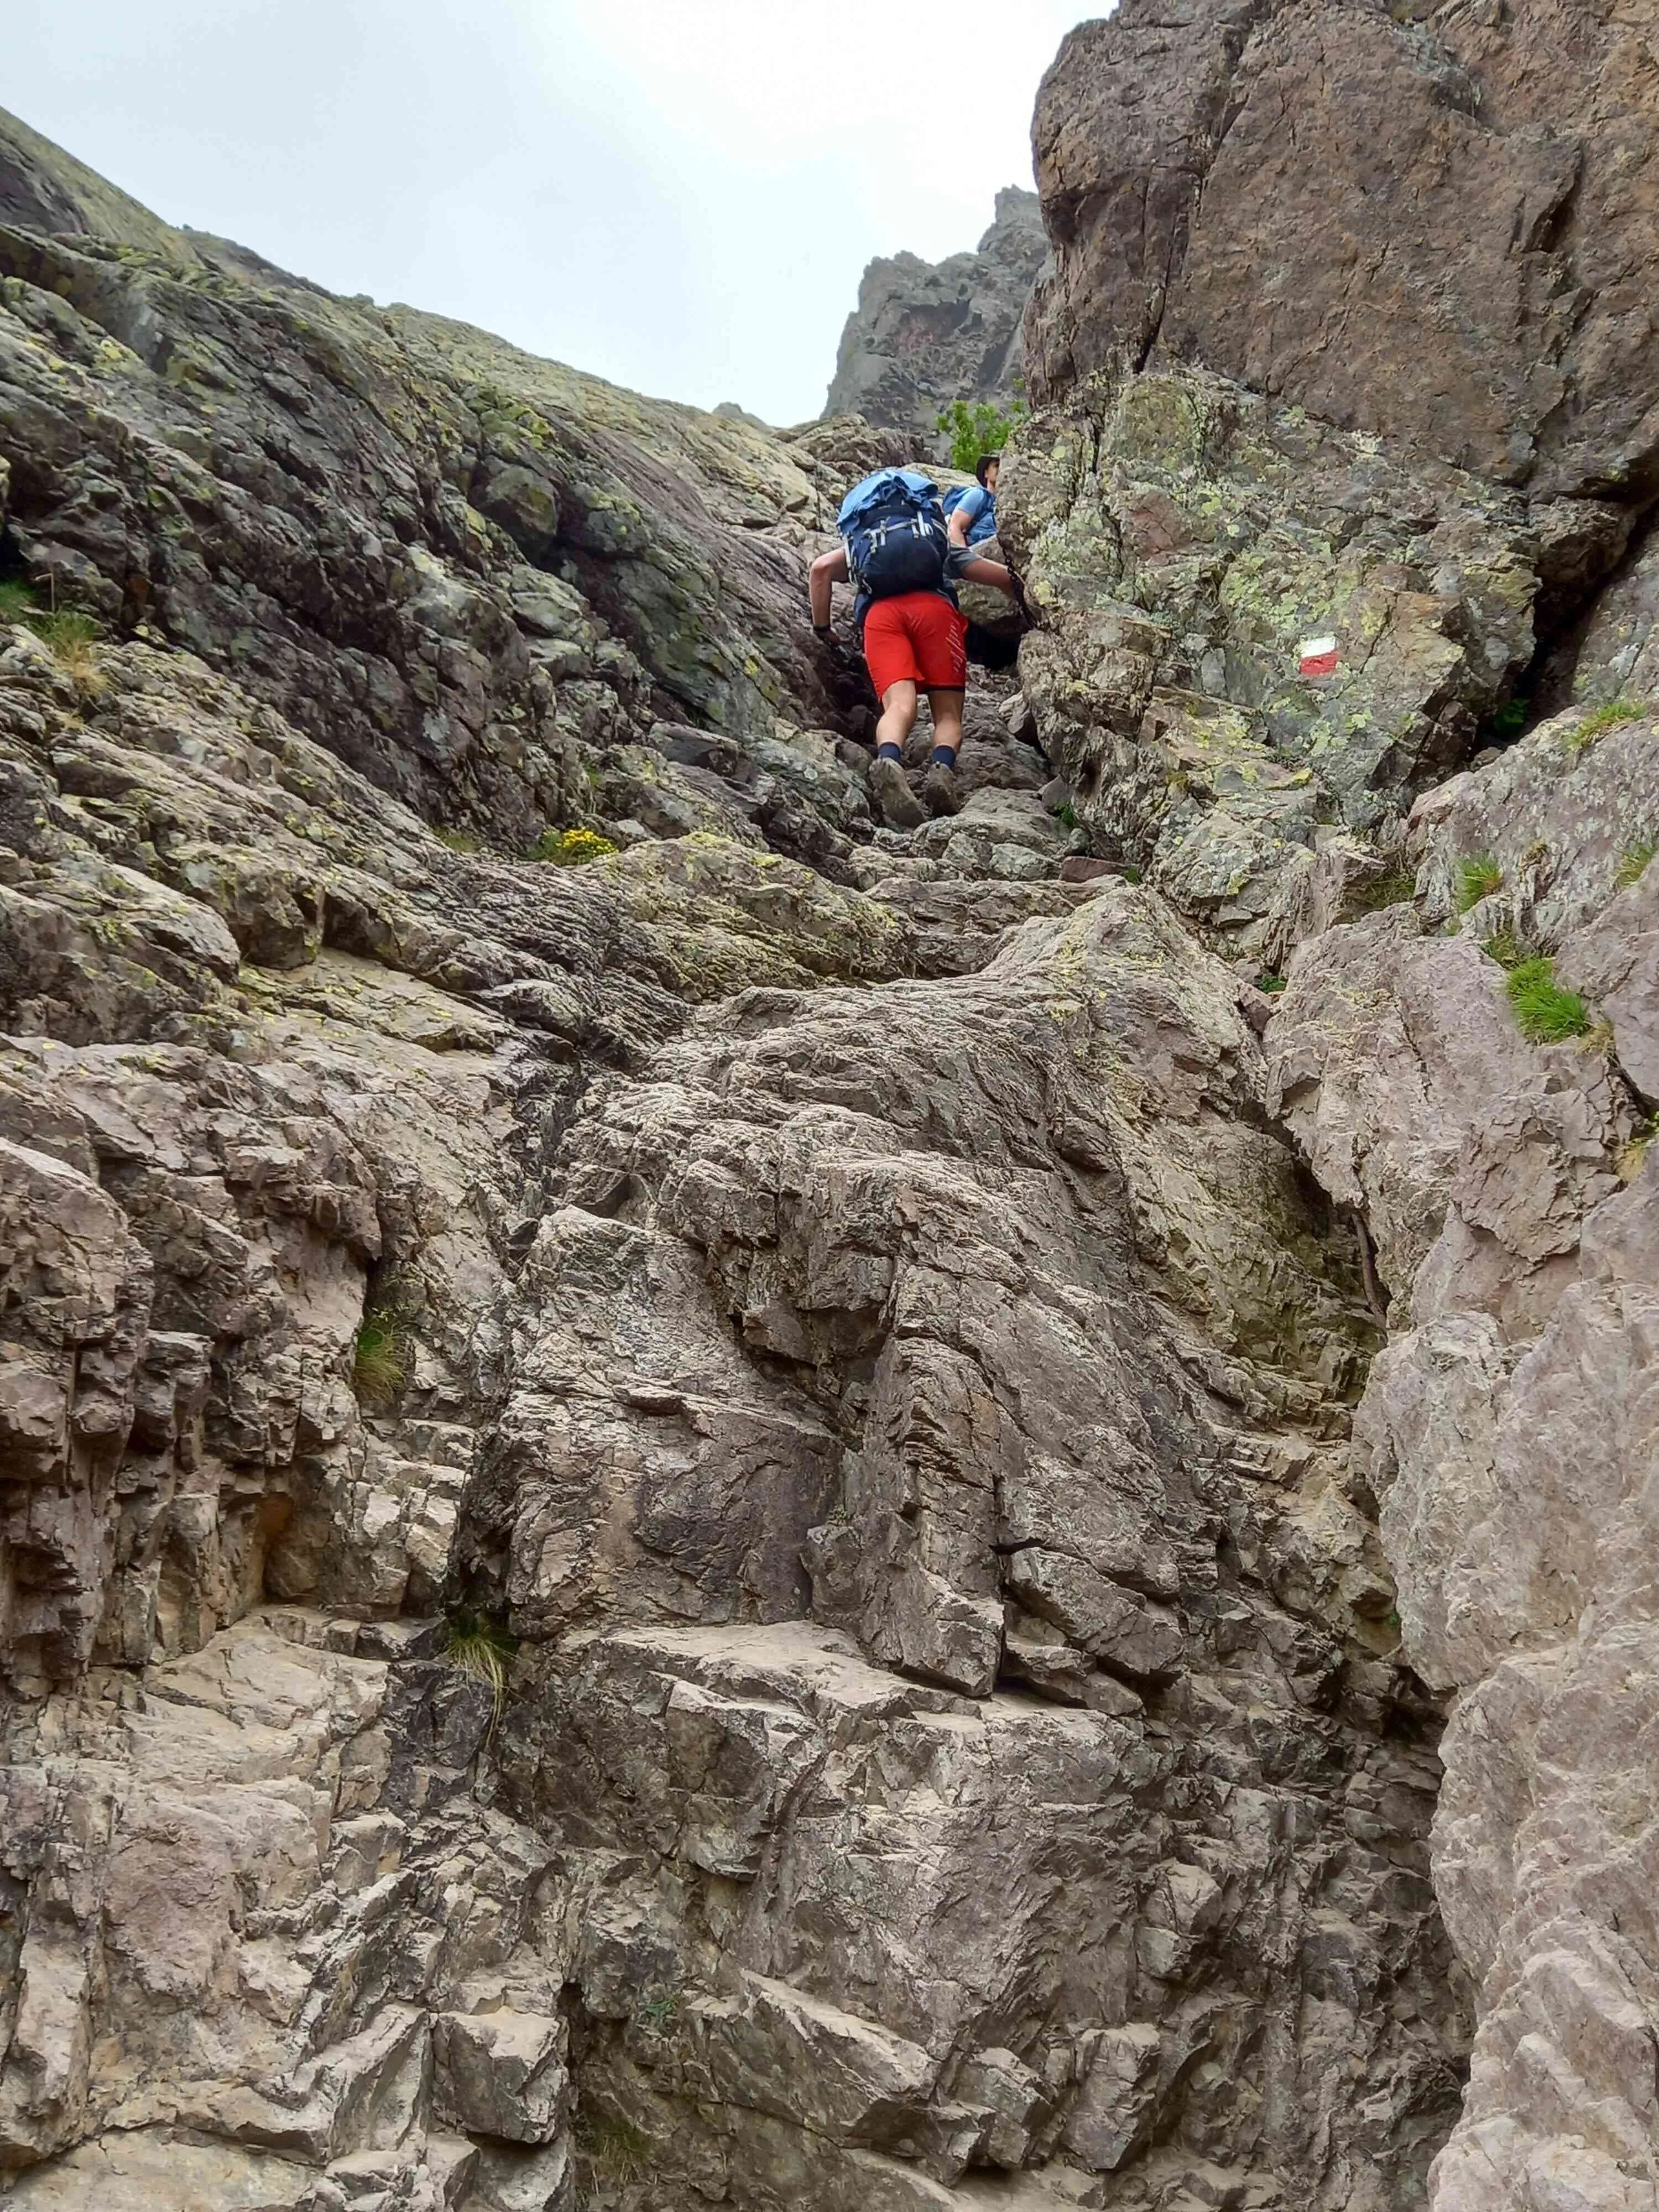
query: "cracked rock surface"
807, 1516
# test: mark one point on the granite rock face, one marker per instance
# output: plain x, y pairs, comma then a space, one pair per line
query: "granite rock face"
925, 334
818, 1517
1277, 191
1180, 538
1507, 1428
1337, 346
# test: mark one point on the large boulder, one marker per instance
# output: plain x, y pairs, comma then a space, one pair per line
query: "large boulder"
1279, 191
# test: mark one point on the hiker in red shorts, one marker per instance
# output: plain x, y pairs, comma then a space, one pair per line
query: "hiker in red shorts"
895, 547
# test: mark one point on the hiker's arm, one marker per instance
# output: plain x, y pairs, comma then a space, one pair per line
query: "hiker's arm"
831, 568
960, 522
986, 572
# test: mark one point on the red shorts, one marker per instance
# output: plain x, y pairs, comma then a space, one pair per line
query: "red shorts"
917, 638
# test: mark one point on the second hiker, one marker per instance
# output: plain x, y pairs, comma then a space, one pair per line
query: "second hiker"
897, 553
972, 514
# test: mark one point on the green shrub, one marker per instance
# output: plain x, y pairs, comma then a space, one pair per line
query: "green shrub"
458, 841
1544, 1011
379, 1369
1066, 816
1271, 983
1607, 717
571, 848
476, 1647
981, 428
1477, 877
1632, 864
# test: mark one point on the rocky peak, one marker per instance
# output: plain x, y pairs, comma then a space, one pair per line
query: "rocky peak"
925, 334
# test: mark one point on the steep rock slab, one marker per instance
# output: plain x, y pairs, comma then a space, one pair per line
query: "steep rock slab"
462, 569
1278, 188
923, 335
1054, 1831
1506, 1430
253, 1900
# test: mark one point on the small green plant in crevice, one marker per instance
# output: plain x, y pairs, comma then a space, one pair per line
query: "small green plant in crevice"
457, 840
615, 2147
1633, 1155
71, 635
1477, 877
1396, 889
657, 2012
1608, 717
1505, 723
1546, 1011
475, 1647
1505, 947
1633, 863
571, 848
1271, 982
978, 429
1066, 816
379, 1365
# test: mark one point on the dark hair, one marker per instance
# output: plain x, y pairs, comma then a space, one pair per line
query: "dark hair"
983, 466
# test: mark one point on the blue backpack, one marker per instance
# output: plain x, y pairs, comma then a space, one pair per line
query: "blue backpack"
893, 527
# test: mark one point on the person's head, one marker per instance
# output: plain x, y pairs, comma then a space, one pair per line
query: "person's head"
987, 468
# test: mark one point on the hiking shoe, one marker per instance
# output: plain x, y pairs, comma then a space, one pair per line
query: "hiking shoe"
939, 789
897, 802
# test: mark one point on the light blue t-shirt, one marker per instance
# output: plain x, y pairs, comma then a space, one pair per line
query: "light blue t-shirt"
980, 506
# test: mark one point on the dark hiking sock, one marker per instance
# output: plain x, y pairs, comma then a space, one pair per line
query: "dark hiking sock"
890, 752
943, 756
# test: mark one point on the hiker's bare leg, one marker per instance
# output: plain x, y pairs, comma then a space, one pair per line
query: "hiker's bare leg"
947, 721
898, 715
938, 786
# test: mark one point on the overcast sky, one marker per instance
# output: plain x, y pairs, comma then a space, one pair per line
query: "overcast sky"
678, 194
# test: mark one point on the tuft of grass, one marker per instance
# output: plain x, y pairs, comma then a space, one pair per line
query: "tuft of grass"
476, 1647
1066, 816
1396, 890
1477, 877
457, 840
1607, 717
615, 2146
1633, 863
19, 602
1545, 1012
571, 848
71, 635
1270, 982
379, 1365
1505, 947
